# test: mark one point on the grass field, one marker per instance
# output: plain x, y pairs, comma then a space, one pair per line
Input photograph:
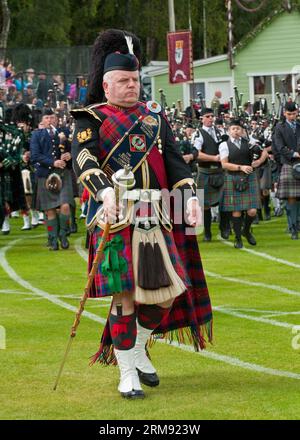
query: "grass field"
251, 371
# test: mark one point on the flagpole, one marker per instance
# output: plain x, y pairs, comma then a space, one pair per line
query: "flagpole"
171, 16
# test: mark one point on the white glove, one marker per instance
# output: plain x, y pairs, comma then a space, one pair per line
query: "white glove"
194, 213
109, 211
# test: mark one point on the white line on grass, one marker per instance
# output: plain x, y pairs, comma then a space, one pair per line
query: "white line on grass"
238, 363
14, 292
262, 254
254, 283
223, 309
215, 356
280, 314
247, 309
253, 318
14, 276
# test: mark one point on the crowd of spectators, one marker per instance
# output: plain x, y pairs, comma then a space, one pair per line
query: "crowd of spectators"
39, 89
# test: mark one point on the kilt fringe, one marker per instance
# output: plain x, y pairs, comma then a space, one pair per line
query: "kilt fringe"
196, 336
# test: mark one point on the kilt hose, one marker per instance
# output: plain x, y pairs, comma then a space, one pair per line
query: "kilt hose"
234, 200
47, 200
288, 186
212, 196
190, 315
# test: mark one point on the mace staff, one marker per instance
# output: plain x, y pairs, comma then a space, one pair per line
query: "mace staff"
122, 179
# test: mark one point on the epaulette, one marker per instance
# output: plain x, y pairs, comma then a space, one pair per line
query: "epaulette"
90, 110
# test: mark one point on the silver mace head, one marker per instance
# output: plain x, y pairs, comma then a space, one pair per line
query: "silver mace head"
124, 178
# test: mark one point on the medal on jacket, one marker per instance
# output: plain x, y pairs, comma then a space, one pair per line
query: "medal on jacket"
153, 106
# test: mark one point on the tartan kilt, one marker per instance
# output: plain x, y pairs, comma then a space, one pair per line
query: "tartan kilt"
5, 187
190, 318
47, 200
288, 186
212, 196
234, 200
100, 287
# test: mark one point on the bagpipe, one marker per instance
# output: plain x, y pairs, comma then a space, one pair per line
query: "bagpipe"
11, 145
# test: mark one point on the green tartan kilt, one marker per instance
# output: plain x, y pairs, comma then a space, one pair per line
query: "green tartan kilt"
6, 193
47, 200
212, 196
233, 200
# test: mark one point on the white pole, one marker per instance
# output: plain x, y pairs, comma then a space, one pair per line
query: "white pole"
204, 31
171, 16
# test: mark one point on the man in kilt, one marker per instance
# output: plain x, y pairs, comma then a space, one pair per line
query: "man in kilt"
12, 197
151, 269
211, 174
54, 181
287, 144
241, 191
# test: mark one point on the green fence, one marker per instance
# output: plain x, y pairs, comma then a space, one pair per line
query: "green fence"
67, 61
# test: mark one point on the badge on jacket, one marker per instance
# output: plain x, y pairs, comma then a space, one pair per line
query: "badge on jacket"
153, 106
84, 135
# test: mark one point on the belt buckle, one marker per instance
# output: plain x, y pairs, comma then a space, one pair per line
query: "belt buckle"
145, 195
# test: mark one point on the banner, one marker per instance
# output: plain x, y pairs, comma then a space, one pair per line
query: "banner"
180, 55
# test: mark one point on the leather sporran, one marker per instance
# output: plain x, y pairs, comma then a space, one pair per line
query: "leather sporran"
53, 183
240, 183
216, 180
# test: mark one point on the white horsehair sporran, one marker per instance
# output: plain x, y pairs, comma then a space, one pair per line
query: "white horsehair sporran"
156, 280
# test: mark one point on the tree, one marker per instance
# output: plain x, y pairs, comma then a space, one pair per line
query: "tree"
38, 24
5, 26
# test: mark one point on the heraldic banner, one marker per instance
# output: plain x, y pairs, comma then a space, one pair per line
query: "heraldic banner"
180, 55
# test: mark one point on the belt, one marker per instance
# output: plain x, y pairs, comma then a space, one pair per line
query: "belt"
144, 195
211, 170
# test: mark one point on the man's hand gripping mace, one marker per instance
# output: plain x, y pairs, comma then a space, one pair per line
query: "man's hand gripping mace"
123, 180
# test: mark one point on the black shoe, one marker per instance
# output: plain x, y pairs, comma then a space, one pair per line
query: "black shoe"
73, 228
53, 245
134, 394
238, 244
250, 238
294, 234
267, 217
207, 237
225, 234
64, 242
278, 212
149, 379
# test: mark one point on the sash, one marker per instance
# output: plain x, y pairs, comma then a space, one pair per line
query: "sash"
134, 146
132, 149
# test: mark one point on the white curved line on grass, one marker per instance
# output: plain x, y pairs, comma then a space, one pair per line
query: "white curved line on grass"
215, 356
253, 318
52, 298
80, 251
238, 363
262, 254
254, 283
14, 292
